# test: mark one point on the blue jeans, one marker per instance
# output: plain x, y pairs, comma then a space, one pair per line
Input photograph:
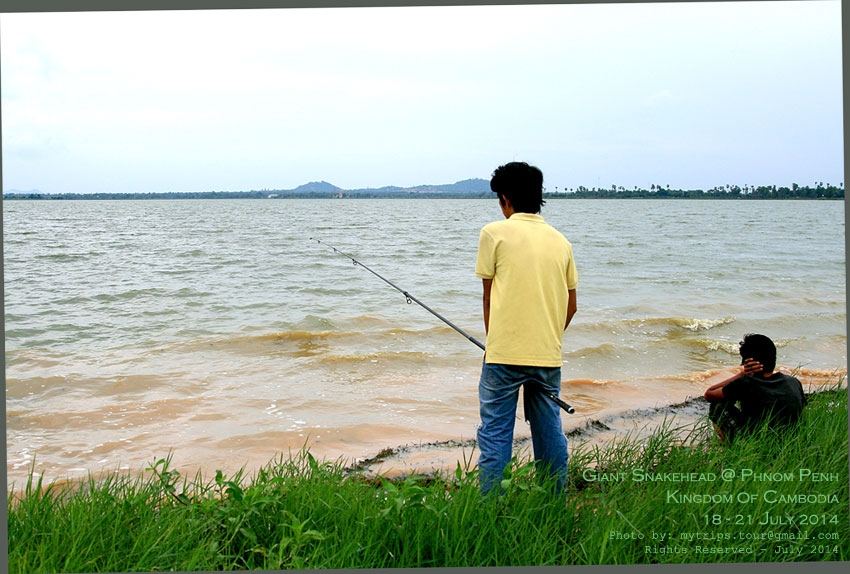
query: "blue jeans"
498, 392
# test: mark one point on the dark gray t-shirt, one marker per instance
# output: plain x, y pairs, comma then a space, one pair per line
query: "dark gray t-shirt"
779, 397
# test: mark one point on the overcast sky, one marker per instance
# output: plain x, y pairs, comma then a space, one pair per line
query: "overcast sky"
691, 95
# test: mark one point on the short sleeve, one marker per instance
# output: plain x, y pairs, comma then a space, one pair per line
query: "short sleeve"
572, 273
485, 264
735, 390
800, 388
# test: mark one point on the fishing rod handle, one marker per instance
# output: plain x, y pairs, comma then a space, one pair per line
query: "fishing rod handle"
560, 403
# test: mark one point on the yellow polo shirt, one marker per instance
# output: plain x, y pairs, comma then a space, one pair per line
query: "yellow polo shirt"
532, 267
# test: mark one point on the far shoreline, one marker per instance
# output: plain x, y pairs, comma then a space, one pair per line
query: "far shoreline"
181, 197
476, 188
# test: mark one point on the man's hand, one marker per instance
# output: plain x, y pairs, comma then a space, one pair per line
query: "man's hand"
714, 393
752, 367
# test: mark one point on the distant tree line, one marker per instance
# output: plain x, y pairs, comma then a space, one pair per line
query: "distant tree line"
162, 195
656, 191
249, 195
817, 191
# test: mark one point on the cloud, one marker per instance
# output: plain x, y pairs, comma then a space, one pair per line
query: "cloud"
167, 94
660, 98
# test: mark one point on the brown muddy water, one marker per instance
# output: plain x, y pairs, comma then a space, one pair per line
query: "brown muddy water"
217, 330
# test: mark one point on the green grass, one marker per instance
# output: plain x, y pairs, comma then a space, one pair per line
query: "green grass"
307, 514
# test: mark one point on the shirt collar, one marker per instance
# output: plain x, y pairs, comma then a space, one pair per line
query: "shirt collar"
536, 217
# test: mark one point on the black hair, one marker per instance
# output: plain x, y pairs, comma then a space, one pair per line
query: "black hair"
760, 348
521, 184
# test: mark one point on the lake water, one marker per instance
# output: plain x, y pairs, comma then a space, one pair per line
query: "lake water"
219, 330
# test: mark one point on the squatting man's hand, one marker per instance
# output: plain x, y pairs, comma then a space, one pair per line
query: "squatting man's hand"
751, 367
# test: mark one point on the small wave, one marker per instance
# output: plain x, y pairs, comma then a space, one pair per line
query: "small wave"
823, 372
329, 291
299, 342
392, 327
584, 382
158, 312
401, 331
717, 345
129, 294
686, 323
297, 336
315, 322
381, 357
818, 377
603, 350
189, 292
23, 333
726, 346
19, 388
63, 257
74, 300
705, 324
32, 358
75, 332
369, 320
696, 376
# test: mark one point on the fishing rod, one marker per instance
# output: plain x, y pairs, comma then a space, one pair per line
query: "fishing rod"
411, 299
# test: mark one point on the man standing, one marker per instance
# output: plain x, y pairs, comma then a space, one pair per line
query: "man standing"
529, 279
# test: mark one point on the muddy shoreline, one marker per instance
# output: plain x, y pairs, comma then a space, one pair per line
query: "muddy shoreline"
436, 458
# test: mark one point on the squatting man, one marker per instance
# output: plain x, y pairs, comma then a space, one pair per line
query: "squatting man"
765, 396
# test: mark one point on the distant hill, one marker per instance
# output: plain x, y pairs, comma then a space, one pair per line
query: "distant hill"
465, 188
471, 187
477, 185
316, 187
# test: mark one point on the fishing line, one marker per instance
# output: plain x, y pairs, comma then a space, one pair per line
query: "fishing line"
411, 299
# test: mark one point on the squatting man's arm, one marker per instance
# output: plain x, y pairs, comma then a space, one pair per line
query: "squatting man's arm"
714, 393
